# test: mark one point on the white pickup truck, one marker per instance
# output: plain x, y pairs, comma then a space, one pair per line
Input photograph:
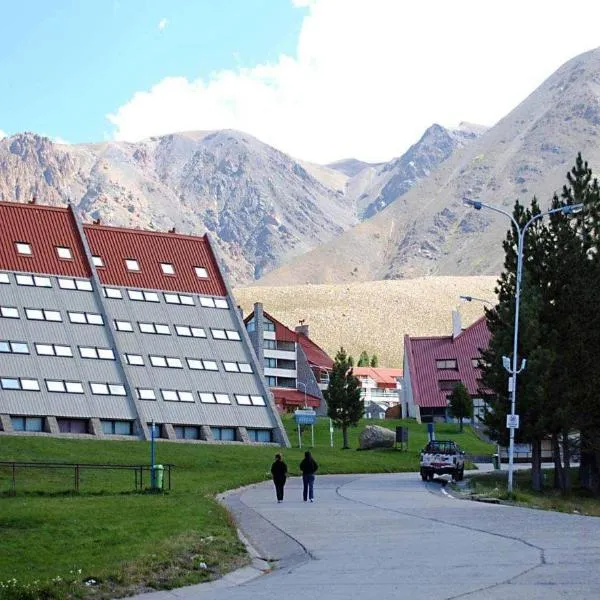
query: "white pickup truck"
440, 457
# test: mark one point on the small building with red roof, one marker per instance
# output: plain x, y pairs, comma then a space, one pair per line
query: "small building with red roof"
295, 368
380, 388
434, 365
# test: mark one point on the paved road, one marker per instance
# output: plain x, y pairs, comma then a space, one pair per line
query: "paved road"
393, 536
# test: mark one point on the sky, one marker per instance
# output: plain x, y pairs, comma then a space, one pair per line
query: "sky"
319, 79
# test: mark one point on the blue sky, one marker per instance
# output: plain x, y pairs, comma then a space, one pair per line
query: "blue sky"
319, 79
65, 64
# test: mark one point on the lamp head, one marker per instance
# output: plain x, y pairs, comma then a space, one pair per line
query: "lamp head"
476, 204
572, 209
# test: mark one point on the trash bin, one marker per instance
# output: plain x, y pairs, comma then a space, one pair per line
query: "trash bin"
157, 477
496, 461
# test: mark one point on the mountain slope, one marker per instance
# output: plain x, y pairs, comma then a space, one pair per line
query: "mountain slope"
428, 230
262, 206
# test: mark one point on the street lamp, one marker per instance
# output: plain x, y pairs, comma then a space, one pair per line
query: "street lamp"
512, 421
471, 298
302, 383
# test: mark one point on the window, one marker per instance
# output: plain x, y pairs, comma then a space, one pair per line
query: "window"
194, 364
13, 347
449, 363
448, 384
64, 387
221, 303
259, 435
167, 268
67, 283
132, 264
143, 296
4, 278
157, 328
117, 427
146, 394
270, 345
123, 326
158, 361
222, 399
64, 253
224, 434
73, 425
207, 302
19, 383
134, 359
113, 293
245, 367
174, 363
271, 381
210, 365
212, 398
219, 334
243, 399
187, 331
97, 261
271, 363
23, 248
88, 318
201, 272
41, 314
233, 335
9, 312
231, 367
257, 400
93, 352
108, 389
177, 396
187, 432
27, 423
35, 280
53, 350
171, 298
268, 325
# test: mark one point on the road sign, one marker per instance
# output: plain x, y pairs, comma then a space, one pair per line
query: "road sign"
305, 416
511, 384
512, 421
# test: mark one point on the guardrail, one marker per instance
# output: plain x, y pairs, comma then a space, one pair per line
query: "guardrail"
138, 471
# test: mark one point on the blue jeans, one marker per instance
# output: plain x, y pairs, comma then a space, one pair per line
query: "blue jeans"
308, 482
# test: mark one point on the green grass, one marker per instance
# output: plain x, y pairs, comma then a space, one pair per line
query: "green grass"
131, 541
494, 485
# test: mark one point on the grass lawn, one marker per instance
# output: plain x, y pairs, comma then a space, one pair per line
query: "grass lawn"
494, 485
128, 541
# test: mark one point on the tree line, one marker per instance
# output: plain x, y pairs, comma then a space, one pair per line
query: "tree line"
558, 393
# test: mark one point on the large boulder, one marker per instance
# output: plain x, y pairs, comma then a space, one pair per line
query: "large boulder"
373, 436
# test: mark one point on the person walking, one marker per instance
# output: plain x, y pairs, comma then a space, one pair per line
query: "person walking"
309, 467
279, 473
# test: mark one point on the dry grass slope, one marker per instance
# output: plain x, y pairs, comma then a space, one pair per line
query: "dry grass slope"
372, 316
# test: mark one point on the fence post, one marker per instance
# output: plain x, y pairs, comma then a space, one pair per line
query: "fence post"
77, 478
14, 482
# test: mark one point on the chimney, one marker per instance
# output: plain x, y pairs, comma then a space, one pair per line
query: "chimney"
456, 324
302, 328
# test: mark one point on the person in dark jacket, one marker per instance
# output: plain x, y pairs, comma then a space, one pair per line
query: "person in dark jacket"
309, 467
279, 473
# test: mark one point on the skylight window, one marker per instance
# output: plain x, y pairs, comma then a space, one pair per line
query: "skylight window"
132, 264
97, 260
167, 268
23, 248
64, 252
201, 272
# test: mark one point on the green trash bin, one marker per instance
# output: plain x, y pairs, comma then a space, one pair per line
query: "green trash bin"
158, 477
496, 462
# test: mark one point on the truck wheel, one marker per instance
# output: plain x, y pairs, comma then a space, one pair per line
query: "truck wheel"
423, 475
458, 474
430, 475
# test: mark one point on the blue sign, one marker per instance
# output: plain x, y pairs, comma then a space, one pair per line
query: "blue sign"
305, 416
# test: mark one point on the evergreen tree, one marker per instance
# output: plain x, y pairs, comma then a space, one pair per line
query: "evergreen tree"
460, 404
344, 405
363, 361
374, 361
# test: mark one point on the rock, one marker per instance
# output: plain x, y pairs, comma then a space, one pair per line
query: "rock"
373, 436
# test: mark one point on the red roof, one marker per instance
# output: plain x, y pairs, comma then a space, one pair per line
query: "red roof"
316, 356
282, 333
289, 396
46, 227
382, 376
422, 354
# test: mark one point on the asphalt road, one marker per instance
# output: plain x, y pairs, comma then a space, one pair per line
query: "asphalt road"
393, 536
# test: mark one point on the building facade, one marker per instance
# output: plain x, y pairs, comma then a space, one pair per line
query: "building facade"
295, 368
433, 366
104, 331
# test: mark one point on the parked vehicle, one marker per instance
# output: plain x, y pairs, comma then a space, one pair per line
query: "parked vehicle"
441, 457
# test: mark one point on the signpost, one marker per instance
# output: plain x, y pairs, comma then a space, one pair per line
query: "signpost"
305, 416
512, 421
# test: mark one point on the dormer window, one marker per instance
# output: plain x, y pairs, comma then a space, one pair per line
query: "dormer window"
97, 260
167, 268
64, 253
449, 363
201, 272
23, 248
132, 264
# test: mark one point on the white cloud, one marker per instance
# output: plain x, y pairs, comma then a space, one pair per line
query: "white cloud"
2, 134
163, 23
58, 140
369, 76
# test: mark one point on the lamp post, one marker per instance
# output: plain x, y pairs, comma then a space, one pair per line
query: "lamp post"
471, 298
513, 420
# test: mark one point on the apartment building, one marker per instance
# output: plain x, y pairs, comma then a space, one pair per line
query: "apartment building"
104, 331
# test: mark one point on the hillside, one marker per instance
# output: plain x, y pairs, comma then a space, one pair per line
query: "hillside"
372, 316
428, 230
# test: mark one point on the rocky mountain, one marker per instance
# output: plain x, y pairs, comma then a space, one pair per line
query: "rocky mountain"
262, 206
350, 166
429, 231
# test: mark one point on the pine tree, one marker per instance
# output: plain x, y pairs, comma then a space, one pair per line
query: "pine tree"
344, 405
363, 361
374, 361
460, 404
